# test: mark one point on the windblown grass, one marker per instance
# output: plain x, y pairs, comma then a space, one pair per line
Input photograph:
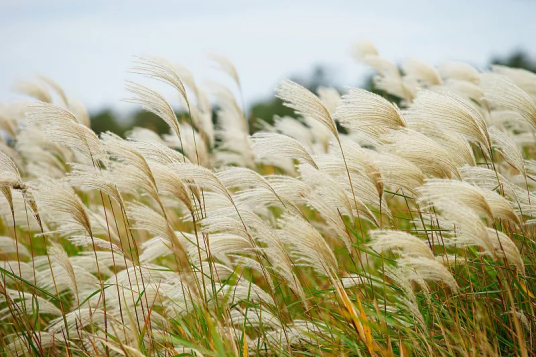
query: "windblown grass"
410, 234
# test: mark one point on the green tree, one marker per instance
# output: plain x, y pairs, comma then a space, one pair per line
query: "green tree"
106, 120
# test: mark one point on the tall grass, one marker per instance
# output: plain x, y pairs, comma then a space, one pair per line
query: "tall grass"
411, 234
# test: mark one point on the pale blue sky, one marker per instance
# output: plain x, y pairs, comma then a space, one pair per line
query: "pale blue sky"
87, 47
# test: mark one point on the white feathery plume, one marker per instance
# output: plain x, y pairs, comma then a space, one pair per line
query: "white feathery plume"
504, 246
260, 200
363, 48
459, 71
99, 224
158, 152
77, 319
254, 317
486, 203
143, 135
134, 169
366, 52
295, 129
58, 197
58, 254
436, 191
191, 143
202, 176
299, 332
9, 245
202, 120
501, 92
213, 204
62, 127
42, 157
232, 131
305, 103
9, 177
155, 248
222, 224
85, 241
487, 179
21, 201
245, 291
508, 149
335, 225
508, 119
35, 89
267, 144
402, 87
222, 244
202, 114
13, 154
225, 65
31, 135
501, 207
330, 97
400, 243
450, 112
522, 78
241, 262
88, 176
274, 249
334, 195
10, 115
390, 79
6, 192
285, 192
430, 269
421, 71
227, 101
154, 102
85, 280
321, 135
422, 151
28, 303
352, 280
162, 70
525, 139
356, 155
56, 87
147, 219
404, 275
80, 111
291, 188
464, 89
456, 144
398, 172
51, 342
369, 192
26, 271
469, 228
257, 231
240, 177
168, 181
310, 248
364, 111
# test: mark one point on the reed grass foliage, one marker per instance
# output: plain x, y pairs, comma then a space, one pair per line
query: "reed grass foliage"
410, 234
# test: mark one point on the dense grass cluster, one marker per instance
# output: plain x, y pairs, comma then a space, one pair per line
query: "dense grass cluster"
411, 233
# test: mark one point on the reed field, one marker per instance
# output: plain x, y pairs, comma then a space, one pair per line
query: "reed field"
372, 225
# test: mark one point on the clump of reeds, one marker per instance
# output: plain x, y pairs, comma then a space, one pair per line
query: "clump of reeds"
411, 233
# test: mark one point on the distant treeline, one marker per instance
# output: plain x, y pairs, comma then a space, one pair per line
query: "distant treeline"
107, 119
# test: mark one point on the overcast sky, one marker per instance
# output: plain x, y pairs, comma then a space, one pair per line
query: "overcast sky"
88, 46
